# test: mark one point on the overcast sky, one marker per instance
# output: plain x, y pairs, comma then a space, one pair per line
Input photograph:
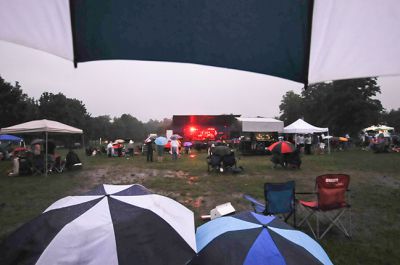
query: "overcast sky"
155, 90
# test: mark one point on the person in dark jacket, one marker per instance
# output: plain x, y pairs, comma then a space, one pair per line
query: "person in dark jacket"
149, 145
72, 160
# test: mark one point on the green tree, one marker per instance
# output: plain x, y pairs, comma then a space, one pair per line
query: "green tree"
392, 118
16, 106
345, 106
291, 107
98, 127
128, 127
62, 109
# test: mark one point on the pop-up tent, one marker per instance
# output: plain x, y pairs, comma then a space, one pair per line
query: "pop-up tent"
378, 128
45, 126
306, 41
300, 126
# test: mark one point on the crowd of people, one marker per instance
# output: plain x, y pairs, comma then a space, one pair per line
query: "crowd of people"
380, 142
32, 160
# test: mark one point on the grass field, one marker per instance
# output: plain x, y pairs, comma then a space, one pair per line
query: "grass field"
375, 193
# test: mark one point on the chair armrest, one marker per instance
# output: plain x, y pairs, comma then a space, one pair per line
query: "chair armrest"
258, 206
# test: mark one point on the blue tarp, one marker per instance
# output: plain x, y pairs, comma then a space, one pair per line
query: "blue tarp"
8, 137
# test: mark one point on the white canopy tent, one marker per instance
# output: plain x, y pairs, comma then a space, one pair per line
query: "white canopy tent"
300, 126
37, 126
378, 128
261, 125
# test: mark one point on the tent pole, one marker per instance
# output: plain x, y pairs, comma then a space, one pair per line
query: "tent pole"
83, 141
45, 169
329, 146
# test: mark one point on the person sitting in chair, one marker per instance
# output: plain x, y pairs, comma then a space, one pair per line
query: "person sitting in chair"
72, 160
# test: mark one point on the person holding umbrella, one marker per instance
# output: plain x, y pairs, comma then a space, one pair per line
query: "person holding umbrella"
174, 147
149, 145
160, 142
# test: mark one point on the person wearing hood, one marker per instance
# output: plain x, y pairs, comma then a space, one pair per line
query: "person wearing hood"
131, 148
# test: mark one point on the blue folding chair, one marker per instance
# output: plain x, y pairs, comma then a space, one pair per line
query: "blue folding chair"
279, 200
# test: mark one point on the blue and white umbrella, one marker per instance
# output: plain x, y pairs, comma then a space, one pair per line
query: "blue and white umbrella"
112, 224
161, 140
252, 239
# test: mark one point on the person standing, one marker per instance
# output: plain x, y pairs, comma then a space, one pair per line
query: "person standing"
174, 149
308, 143
300, 142
149, 145
131, 147
109, 149
160, 153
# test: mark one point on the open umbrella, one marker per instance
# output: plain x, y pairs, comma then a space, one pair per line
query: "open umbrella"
175, 137
310, 38
161, 140
112, 224
150, 138
187, 144
222, 150
38, 141
253, 239
281, 147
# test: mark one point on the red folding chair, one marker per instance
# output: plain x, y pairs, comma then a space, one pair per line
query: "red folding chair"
332, 204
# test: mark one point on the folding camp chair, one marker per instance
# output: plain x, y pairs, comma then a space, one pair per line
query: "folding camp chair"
331, 204
58, 165
279, 200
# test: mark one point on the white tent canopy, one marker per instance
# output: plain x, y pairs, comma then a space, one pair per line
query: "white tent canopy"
378, 128
300, 126
41, 126
261, 125
46, 126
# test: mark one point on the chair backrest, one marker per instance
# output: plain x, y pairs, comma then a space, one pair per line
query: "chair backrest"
279, 197
215, 160
331, 189
229, 160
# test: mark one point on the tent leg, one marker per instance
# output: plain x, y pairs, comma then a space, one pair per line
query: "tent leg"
329, 146
45, 169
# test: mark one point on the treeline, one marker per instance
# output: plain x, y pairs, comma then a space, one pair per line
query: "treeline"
17, 107
345, 106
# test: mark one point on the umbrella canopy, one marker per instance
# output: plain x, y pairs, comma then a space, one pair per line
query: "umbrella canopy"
175, 137
303, 41
252, 239
112, 224
187, 144
8, 137
222, 150
161, 140
38, 141
281, 147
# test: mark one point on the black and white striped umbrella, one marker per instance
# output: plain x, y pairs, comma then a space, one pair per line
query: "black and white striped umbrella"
112, 224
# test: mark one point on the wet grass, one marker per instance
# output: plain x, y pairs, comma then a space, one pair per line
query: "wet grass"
375, 185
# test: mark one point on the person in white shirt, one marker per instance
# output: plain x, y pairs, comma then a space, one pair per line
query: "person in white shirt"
308, 143
174, 149
109, 149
